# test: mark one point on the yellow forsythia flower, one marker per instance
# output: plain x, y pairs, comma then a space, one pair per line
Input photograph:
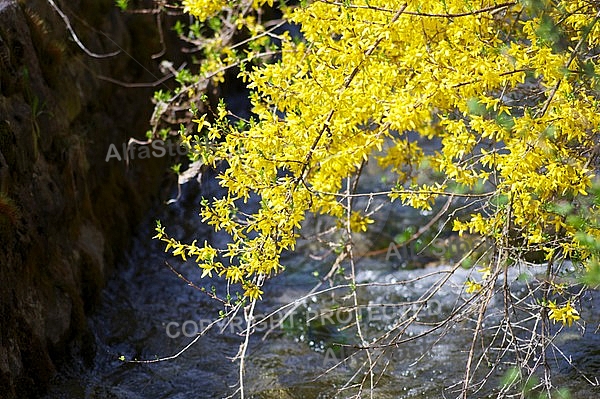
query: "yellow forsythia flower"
252, 291
358, 222
566, 314
202, 9
472, 287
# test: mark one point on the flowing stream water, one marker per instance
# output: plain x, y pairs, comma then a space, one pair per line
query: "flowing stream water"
147, 312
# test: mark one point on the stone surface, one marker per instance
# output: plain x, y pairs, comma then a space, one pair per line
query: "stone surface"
65, 213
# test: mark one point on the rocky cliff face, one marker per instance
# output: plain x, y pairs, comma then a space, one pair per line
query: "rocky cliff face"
65, 213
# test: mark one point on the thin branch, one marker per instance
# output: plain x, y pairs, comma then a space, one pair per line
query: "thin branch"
189, 345
191, 284
379, 193
136, 85
161, 38
490, 9
76, 38
349, 248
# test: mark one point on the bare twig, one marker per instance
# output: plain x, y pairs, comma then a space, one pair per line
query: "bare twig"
67, 22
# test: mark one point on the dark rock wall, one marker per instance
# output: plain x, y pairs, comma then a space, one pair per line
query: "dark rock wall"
65, 213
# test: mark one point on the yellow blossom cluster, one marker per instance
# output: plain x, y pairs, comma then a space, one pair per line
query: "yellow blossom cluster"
472, 287
566, 314
203, 9
508, 89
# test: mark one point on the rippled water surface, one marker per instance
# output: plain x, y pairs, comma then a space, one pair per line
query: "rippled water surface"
145, 296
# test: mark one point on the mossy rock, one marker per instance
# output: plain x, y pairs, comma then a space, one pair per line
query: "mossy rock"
7, 143
50, 52
9, 217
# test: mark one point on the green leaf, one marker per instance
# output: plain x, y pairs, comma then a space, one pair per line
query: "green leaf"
122, 4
